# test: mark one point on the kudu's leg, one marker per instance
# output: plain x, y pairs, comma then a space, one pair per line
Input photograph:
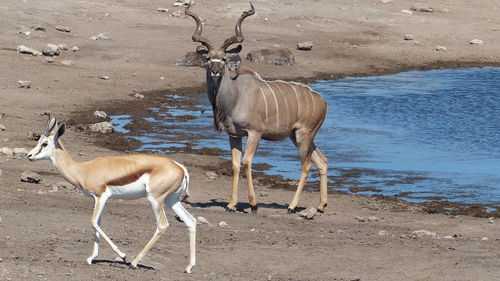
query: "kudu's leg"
304, 143
161, 226
235, 143
98, 207
250, 148
321, 162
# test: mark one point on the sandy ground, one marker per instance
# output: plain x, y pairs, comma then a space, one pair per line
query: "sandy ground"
47, 235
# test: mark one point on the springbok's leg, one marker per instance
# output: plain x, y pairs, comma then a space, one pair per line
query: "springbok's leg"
161, 226
250, 148
95, 252
190, 222
100, 201
304, 143
235, 143
321, 162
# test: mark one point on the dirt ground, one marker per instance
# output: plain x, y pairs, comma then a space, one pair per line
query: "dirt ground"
46, 234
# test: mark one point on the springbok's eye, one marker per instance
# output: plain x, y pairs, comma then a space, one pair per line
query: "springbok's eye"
44, 144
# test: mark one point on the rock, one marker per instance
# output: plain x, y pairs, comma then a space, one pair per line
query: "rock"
2, 127
276, 56
25, 33
20, 151
50, 50
1, 174
62, 28
304, 46
27, 50
38, 27
360, 219
308, 213
102, 127
191, 59
176, 14
408, 37
49, 59
476, 42
211, 175
383, 233
62, 46
263, 193
180, 3
372, 218
202, 220
484, 239
33, 136
67, 62
448, 237
102, 36
441, 49
138, 96
408, 12
6, 151
222, 224
103, 77
30, 177
164, 10
100, 114
420, 7
491, 220
24, 84
75, 48
64, 185
385, 1
423, 233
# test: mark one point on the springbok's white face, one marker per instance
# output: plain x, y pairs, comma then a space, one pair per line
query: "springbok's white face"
48, 141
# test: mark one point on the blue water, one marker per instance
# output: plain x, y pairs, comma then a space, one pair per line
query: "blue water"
431, 133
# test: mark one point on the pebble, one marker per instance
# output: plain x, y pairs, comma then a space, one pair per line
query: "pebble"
26, 33
1, 174
62, 46
102, 127
408, 12
441, 49
6, 151
421, 8
164, 10
180, 3
360, 219
2, 127
62, 28
422, 233
383, 233
308, 213
31, 177
202, 220
100, 114
408, 37
385, 1
138, 96
24, 84
102, 36
103, 77
38, 27
75, 48
305, 46
65, 185
176, 14
484, 239
491, 220
222, 224
67, 62
372, 218
50, 50
476, 42
27, 50
211, 175
49, 59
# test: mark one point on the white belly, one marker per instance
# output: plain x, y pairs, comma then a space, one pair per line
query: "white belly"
134, 190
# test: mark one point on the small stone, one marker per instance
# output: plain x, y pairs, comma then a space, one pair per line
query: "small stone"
100, 114
49, 59
360, 219
372, 218
6, 151
275, 56
65, 185
491, 220
67, 62
50, 50
138, 96
484, 239
62, 47
385, 1
30, 177
38, 27
176, 14
263, 193
211, 175
308, 213
476, 42
103, 77
180, 3
102, 36
1, 174
75, 48
2, 127
448, 237
222, 224
27, 50
441, 49
202, 220
62, 28
41, 192
25, 33
421, 8
383, 233
102, 127
163, 10
422, 233
408, 37
408, 12
305, 46
20, 151
24, 84
33, 136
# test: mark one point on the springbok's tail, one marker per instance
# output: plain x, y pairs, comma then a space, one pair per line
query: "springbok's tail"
184, 188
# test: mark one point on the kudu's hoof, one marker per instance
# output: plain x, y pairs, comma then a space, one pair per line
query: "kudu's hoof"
254, 209
321, 209
291, 211
229, 210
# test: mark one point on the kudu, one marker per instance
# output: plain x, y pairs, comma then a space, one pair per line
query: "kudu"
246, 105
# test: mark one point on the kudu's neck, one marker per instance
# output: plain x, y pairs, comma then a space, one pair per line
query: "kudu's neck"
67, 167
222, 93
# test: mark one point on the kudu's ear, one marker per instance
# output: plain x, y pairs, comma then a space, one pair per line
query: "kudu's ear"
202, 51
235, 50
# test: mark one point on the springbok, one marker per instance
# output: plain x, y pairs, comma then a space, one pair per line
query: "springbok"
246, 105
159, 179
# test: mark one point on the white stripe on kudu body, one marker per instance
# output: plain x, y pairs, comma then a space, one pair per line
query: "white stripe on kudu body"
238, 99
161, 180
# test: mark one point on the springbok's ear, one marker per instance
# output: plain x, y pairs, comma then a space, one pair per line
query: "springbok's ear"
235, 50
61, 129
202, 51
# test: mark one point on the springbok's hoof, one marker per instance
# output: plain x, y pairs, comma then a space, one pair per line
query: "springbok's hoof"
229, 210
321, 209
292, 211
